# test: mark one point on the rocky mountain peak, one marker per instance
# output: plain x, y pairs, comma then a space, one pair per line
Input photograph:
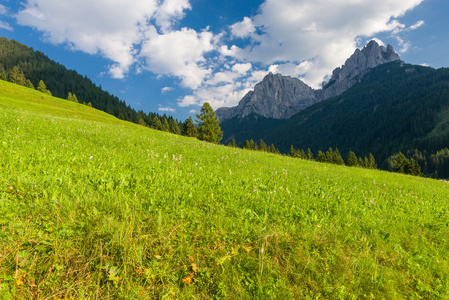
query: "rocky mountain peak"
277, 96
344, 77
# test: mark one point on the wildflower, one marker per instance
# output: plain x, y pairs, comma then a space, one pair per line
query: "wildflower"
91, 157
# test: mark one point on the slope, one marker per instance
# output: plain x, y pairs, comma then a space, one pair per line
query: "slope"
92, 207
37, 66
395, 108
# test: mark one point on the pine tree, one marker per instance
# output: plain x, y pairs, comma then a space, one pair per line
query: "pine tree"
165, 125
321, 157
157, 124
29, 84
351, 160
330, 155
262, 146
372, 162
17, 76
42, 87
232, 143
189, 128
337, 159
174, 128
309, 154
208, 125
272, 149
292, 151
142, 122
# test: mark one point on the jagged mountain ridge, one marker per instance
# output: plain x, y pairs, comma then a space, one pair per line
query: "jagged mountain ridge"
277, 96
281, 97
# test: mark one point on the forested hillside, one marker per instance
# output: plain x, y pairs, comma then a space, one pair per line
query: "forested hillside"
395, 108
60, 82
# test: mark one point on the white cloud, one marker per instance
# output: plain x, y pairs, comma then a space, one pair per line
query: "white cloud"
3, 10
111, 28
169, 12
416, 25
192, 111
243, 29
179, 53
6, 26
242, 68
166, 89
167, 109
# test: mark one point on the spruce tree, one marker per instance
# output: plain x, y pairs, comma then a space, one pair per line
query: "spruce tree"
309, 154
232, 143
320, 157
351, 160
189, 128
336, 158
262, 146
208, 125
165, 125
372, 162
292, 151
42, 87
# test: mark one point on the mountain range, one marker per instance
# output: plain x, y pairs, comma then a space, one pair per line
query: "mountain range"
375, 103
281, 97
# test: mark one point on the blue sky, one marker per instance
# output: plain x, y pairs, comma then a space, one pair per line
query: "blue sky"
170, 56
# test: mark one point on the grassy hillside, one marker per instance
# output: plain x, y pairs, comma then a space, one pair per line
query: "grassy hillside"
95, 208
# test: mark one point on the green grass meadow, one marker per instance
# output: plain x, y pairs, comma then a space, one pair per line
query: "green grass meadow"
92, 207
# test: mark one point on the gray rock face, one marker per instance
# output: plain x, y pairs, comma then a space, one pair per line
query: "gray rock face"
371, 56
277, 96
280, 97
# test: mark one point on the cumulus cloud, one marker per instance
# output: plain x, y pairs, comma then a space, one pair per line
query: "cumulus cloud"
243, 29
179, 53
166, 109
112, 28
166, 89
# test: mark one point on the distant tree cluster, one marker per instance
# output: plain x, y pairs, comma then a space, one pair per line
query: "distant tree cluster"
334, 157
435, 165
251, 145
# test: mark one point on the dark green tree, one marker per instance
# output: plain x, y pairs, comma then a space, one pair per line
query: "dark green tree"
165, 125
351, 160
29, 84
157, 124
189, 128
372, 162
43, 88
232, 143
336, 158
321, 157
309, 154
208, 125
262, 146
174, 127
293, 152
17, 76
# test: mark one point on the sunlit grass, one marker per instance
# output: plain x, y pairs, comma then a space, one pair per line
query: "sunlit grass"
92, 207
